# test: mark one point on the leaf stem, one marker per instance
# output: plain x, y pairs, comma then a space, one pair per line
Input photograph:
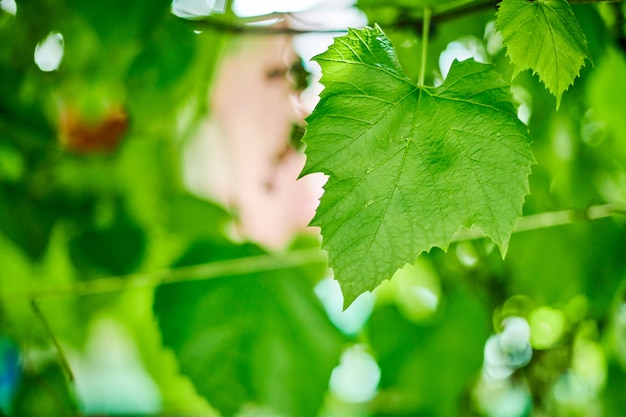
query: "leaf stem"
425, 33
452, 11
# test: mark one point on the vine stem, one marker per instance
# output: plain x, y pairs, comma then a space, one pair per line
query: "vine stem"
283, 260
441, 15
425, 33
552, 219
55, 342
201, 272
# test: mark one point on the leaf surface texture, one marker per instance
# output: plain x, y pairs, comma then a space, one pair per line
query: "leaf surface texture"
409, 166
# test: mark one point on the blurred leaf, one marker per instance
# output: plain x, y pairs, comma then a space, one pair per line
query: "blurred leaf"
428, 369
548, 267
613, 397
115, 248
409, 166
43, 394
544, 36
603, 94
255, 339
196, 218
165, 57
118, 21
11, 163
26, 219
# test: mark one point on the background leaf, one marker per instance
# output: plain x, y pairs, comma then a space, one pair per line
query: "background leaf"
427, 367
259, 340
545, 36
44, 393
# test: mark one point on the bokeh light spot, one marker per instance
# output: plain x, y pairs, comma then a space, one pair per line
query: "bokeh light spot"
49, 52
350, 320
508, 350
9, 6
467, 254
547, 325
468, 47
356, 377
190, 9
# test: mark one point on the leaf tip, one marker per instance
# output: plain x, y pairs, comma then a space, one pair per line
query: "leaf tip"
558, 100
349, 296
503, 247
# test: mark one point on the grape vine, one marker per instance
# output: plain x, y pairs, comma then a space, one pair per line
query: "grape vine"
469, 240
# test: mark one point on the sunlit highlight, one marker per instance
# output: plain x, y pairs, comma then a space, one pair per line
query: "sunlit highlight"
508, 350
110, 378
469, 47
190, 9
247, 8
350, 320
524, 98
356, 377
466, 254
493, 39
503, 399
9, 6
547, 326
49, 52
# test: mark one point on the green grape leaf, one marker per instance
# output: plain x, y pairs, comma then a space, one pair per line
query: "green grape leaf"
409, 166
257, 340
545, 36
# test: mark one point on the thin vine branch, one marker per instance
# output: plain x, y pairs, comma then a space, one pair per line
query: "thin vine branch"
442, 15
553, 219
217, 269
278, 261
50, 334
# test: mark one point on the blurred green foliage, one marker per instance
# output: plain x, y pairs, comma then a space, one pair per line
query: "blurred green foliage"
81, 221
264, 337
